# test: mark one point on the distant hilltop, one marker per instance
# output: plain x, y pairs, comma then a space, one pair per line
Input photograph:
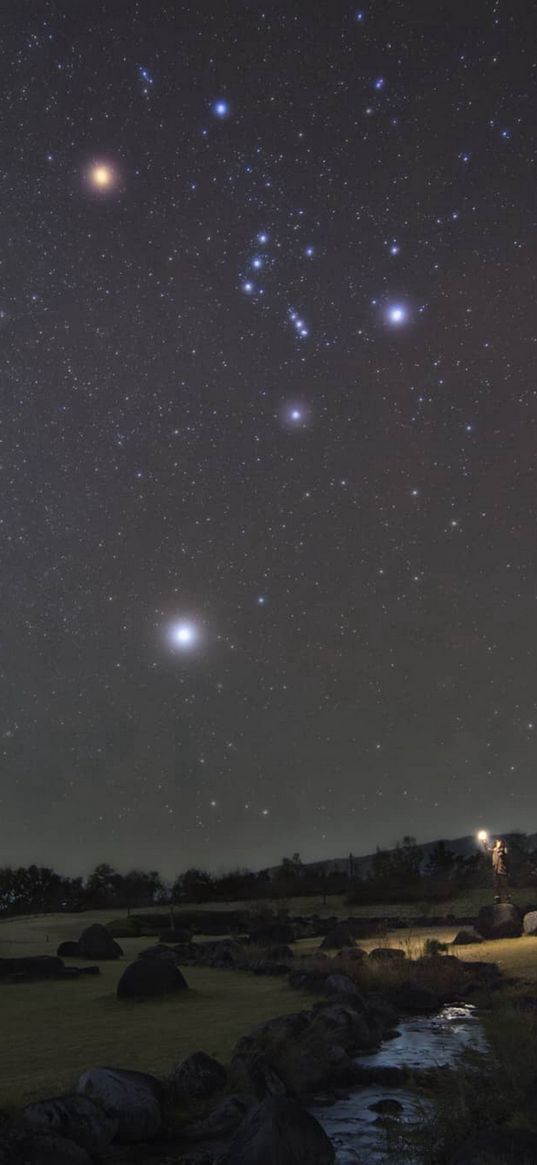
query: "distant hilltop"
360, 867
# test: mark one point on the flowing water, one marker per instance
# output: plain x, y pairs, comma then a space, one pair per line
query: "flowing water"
354, 1127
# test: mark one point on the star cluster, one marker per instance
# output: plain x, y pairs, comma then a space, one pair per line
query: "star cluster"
267, 314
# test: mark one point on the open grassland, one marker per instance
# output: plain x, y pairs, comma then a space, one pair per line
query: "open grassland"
52, 1031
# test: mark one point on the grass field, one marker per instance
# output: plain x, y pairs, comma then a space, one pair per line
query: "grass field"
463, 905
52, 1031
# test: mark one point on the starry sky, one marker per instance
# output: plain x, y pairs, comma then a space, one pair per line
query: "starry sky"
268, 431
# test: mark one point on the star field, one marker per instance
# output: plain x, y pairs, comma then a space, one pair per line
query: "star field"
267, 311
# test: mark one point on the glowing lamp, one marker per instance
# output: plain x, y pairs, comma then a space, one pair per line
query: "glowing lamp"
482, 835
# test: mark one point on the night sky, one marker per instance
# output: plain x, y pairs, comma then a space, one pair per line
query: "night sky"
268, 514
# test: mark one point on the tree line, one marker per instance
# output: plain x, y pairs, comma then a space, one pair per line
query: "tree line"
401, 874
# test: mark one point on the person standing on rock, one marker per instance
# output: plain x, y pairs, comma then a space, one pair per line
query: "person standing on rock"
500, 869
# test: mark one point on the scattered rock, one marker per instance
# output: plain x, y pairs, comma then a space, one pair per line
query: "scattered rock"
68, 950
75, 1117
197, 1076
267, 967
387, 1106
150, 977
340, 936
465, 937
342, 986
279, 1130
222, 1120
96, 942
387, 954
341, 1023
503, 920
159, 951
302, 1050
353, 953
308, 981
32, 967
134, 1098
530, 922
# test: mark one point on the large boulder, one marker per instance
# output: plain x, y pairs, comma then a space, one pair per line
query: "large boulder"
197, 1077
224, 953
530, 922
342, 1024
32, 967
76, 1117
222, 1120
340, 936
387, 955
464, 938
343, 987
28, 1148
502, 920
303, 1053
150, 977
96, 942
133, 1097
68, 950
279, 1132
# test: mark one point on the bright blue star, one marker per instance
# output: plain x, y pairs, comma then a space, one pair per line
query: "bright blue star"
184, 635
394, 249
257, 262
397, 314
380, 83
309, 252
248, 287
221, 108
359, 15
262, 237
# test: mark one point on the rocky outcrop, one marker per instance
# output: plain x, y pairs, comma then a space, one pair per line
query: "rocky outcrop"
306, 1050
464, 938
279, 1130
340, 936
32, 967
198, 1076
75, 1117
133, 1097
223, 1119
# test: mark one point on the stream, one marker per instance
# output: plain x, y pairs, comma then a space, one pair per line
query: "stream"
422, 1042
